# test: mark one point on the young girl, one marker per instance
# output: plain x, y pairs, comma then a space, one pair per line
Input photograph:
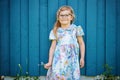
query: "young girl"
64, 52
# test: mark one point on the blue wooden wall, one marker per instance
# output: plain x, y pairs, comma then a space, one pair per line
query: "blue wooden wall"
25, 27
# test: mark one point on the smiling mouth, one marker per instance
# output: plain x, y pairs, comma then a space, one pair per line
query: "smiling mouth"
63, 20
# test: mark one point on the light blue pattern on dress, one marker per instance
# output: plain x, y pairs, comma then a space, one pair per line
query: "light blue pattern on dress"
80, 31
65, 64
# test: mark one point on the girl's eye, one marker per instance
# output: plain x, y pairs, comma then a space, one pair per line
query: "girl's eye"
65, 15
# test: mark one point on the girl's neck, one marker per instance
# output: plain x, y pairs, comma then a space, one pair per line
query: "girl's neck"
65, 26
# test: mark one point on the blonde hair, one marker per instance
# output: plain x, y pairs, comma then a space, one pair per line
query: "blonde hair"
57, 23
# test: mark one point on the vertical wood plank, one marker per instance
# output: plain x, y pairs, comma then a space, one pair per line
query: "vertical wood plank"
0, 40
0, 34
118, 37
24, 36
91, 37
111, 34
82, 21
4, 37
33, 37
100, 32
43, 35
14, 36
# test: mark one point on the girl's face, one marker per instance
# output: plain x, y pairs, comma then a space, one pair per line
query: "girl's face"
65, 17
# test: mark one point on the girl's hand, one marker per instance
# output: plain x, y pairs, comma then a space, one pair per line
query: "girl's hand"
81, 62
47, 66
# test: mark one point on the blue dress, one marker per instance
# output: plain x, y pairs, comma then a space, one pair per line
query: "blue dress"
65, 64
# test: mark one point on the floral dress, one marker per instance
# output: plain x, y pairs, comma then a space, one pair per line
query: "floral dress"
65, 64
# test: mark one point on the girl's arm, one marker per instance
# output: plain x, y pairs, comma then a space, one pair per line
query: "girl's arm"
82, 49
51, 52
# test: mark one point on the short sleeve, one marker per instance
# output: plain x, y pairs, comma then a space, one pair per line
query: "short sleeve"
80, 31
52, 36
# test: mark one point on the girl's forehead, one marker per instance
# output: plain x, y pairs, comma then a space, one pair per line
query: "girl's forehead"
65, 12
